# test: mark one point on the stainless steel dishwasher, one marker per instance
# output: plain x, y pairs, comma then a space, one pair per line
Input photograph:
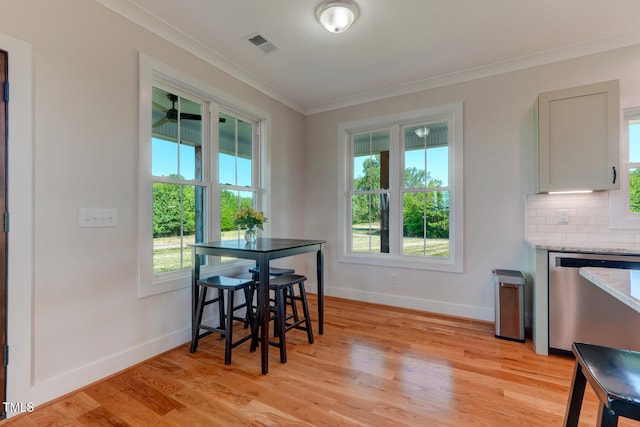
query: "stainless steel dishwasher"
581, 311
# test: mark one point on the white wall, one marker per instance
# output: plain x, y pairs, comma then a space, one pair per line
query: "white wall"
83, 317
499, 171
74, 314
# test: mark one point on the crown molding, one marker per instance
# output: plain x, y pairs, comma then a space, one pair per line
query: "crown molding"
163, 29
516, 64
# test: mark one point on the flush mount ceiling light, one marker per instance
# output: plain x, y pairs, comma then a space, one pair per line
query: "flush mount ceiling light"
422, 131
337, 15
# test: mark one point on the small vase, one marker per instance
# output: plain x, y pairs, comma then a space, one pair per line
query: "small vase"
250, 235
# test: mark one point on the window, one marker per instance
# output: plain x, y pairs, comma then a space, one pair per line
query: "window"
402, 186
633, 165
179, 186
237, 175
624, 204
195, 173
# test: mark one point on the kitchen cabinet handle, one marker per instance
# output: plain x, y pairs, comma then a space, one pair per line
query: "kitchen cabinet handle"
615, 174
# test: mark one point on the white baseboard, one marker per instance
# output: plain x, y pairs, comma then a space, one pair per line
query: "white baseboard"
48, 389
432, 306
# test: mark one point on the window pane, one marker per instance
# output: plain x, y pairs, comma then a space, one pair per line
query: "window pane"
190, 139
164, 158
235, 157
634, 141
177, 221
369, 228
230, 202
426, 149
425, 219
176, 136
371, 161
634, 190
245, 154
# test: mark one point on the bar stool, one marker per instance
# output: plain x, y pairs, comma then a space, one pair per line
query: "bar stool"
613, 375
283, 324
273, 272
226, 311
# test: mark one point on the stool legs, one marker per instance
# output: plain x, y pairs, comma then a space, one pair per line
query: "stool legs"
225, 312
305, 312
606, 369
575, 397
198, 321
606, 418
202, 301
285, 295
228, 330
280, 328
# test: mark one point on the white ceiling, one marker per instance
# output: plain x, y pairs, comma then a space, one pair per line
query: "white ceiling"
394, 47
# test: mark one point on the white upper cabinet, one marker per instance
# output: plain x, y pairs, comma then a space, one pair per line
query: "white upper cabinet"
579, 138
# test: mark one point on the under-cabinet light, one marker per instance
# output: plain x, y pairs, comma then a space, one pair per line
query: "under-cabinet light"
571, 192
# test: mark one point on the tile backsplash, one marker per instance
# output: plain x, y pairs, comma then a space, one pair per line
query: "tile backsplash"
588, 219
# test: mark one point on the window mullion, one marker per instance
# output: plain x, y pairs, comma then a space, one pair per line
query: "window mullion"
396, 182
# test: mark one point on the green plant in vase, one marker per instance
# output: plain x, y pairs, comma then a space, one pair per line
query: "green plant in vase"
248, 218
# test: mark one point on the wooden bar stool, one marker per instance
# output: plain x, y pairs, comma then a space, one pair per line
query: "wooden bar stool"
283, 324
614, 375
273, 272
226, 312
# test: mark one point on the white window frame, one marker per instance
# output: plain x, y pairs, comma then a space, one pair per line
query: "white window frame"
255, 169
455, 261
620, 215
151, 72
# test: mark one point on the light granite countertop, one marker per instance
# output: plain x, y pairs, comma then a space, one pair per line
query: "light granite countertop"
593, 247
621, 284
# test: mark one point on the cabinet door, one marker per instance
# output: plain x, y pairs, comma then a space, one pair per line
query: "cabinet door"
579, 137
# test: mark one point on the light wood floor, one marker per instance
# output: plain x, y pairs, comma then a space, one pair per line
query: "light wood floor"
374, 366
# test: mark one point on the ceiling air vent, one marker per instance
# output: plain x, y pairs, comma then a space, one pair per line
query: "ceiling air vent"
262, 43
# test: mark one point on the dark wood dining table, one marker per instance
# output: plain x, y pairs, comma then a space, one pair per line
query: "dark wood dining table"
262, 251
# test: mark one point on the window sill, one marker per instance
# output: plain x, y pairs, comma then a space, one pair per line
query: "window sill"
433, 264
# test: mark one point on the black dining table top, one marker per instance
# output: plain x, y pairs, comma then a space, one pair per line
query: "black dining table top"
262, 244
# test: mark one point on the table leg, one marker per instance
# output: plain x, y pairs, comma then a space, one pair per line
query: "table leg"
195, 276
319, 272
263, 311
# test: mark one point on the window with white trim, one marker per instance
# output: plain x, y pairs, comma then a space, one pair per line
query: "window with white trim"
402, 190
624, 204
180, 184
200, 160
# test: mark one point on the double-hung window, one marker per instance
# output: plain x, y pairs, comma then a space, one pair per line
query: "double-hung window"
624, 203
180, 187
237, 168
200, 161
401, 181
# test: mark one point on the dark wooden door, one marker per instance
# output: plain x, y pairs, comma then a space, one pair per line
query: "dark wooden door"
4, 96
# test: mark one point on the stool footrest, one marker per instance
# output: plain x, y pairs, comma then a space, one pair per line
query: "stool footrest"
283, 287
226, 311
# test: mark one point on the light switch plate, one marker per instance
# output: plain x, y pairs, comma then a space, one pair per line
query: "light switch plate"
563, 216
97, 218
